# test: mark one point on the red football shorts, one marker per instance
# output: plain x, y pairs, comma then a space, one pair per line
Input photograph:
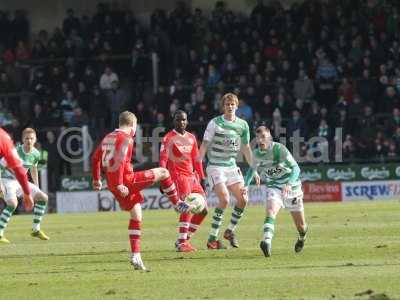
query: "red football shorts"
187, 184
135, 182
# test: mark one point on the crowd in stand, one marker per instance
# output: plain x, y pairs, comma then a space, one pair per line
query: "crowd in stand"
312, 67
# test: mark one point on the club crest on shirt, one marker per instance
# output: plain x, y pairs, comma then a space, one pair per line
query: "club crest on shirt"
274, 172
184, 148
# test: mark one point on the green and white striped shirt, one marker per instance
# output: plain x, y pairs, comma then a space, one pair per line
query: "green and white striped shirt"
276, 167
225, 138
29, 160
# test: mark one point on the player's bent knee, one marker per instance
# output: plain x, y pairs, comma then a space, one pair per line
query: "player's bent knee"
40, 196
243, 199
224, 200
165, 173
161, 173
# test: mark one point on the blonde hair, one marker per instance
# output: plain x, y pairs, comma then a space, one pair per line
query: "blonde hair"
28, 130
230, 96
127, 118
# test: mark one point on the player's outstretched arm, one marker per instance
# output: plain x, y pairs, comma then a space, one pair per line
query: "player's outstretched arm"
207, 138
203, 150
248, 155
164, 153
250, 175
197, 162
96, 169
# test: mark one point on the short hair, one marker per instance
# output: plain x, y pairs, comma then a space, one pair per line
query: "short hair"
262, 129
179, 112
28, 130
127, 118
230, 96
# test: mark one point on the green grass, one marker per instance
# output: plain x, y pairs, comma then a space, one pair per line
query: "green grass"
352, 247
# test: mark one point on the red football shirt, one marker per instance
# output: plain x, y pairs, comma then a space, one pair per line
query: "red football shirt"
8, 151
180, 154
113, 156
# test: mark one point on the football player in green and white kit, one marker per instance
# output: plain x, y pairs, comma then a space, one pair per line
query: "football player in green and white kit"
224, 138
11, 190
275, 166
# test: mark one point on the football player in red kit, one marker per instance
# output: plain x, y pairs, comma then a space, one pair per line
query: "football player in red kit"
179, 154
113, 156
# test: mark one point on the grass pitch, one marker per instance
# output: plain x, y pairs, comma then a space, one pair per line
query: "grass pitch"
352, 252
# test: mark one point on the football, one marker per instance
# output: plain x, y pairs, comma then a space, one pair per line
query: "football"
196, 201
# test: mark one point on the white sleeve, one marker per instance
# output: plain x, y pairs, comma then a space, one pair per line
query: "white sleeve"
210, 131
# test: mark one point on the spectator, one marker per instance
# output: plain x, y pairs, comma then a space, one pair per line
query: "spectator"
392, 123
355, 108
296, 125
213, 76
303, 87
22, 53
107, 78
142, 112
266, 108
89, 78
55, 114
39, 84
396, 138
324, 130
343, 122
6, 118
244, 111
389, 101
392, 153
277, 128
70, 23
326, 77
380, 150
83, 98
6, 85
39, 51
301, 107
20, 26
68, 104
366, 125
367, 87
39, 118
116, 99
79, 118
56, 78
346, 90
98, 112
53, 161
14, 129
349, 148
283, 105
